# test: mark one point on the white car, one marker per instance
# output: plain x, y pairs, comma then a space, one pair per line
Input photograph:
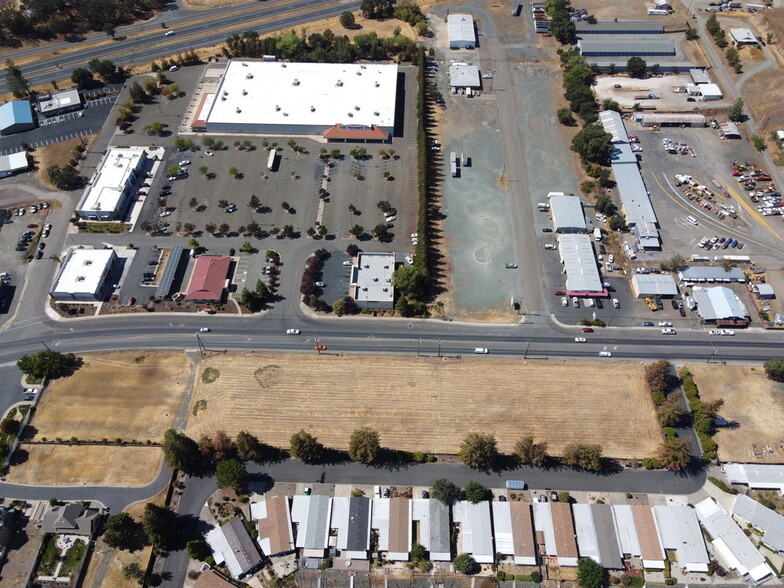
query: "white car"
591, 303
728, 333
480, 350
580, 339
209, 153
185, 162
669, 332
171, 178
564, 301
414, 235
390, 218
164, 213
292, 331
665, 324
348, 262
204, 330
409, 260
319, 284
714, 333
611, 258
605, 354
168, 33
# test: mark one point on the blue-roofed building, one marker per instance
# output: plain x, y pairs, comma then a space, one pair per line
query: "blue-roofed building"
16, 116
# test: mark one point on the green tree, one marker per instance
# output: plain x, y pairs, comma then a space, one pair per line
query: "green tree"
82, 77
617, 222
759, 142
593, 144
446, 491
563, 28
774, 369
108, 29
230, 473
475, 492
247, 247
133, 572
409, 281
16, 82
47, 364
180, 451
198, 549
305, 447
478, 450
418, 552
157, 128
735, 111
675, 453
636, 67
121, 531
159, 524
249, 448
357, 231
137, 93
589, 573
465, 564
104, 68
173, 169
565, 117
530, 453
339, 307
203, 169
234, 172
347, 20
692, 34
610, 104
364, 445
712, 24
288, 231
9, 426
587, 456
669, 413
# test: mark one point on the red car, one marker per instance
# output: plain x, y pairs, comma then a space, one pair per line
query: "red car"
587, 330
166, 187
32, 226
559, 293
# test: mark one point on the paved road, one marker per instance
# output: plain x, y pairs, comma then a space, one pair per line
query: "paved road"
144, 42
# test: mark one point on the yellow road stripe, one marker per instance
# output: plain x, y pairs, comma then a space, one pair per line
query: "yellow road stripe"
711, 222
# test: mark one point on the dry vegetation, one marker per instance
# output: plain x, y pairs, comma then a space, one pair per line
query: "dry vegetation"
57, 154
427, 404
95, 465
755, 403
130, 395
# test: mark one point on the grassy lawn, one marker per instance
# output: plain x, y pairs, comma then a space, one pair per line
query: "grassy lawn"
49, 555
73, 557
24, 409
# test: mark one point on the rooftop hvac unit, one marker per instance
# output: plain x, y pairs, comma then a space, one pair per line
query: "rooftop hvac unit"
386, 289
282, 65
285, 114
377, 113
339, 84
377, 84
244, 92
313, 109
238, 110
367, 266
351, 114
362, 67
244, 65
359, 73
248, 76
80, 278
375, 279
88, 262
364, 288
277, 108
225, 93
295, 83
356, 108
386, 267
223, 98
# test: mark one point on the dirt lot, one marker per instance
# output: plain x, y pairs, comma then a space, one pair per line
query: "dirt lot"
751, 400
130, 395
425, 404
63, 465
608, 10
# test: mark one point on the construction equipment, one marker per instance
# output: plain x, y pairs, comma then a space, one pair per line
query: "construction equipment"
651, 304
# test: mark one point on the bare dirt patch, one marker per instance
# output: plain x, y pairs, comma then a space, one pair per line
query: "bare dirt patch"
755, 403
71, 465
609, 10
426, 404
130, 395
57, 154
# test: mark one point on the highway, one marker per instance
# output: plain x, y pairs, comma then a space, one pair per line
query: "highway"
144, 42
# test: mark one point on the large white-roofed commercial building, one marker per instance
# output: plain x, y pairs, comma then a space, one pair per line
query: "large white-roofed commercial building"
460, 29
567, 213
582, 274
83, 275
371, 280
112, 187
341, 101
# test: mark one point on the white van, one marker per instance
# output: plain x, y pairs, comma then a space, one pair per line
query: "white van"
605, 354
480, 350
616, 304
692, 220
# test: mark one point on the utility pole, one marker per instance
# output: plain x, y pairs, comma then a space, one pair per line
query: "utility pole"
419, 344
45, 345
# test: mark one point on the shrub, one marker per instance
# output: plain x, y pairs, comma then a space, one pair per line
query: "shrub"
669, 432
536, 577
651, 463
722, 486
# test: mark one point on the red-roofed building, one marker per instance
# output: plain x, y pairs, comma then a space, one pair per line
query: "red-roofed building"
209, 279
354, 134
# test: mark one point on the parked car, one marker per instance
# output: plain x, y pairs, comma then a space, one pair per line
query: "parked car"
587, 330
511, 266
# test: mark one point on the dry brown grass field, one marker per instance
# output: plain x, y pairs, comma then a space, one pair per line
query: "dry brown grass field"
73, 465
113, 395
426, 404
755, 403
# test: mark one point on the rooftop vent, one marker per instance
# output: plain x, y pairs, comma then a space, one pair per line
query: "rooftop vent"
244, 65
367, 266
238, 110
282, 65
80, 278
351, 114
377, 113
386, 289
277, 108
356, 108
362, 67
285, 114
375, 279
313, 109
248, 76
225, 93
244, 92
364, 288
223, 98
339, 84
378, 84
88, 262
359, 73
295, 83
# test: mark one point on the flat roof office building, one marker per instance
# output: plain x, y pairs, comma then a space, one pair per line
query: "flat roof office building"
83, 275
114, 184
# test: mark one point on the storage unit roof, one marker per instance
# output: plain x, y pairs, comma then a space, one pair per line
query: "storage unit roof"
635, 202
613, 123
699, 76
13, 162
732, 544
704, 273
582, 274
672, 118
567, 212
14, 113
613, 47
627, 27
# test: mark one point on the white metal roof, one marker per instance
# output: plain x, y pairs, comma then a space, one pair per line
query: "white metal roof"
743, 35
464, 75
710, 90
701, 273
567, 212
475, 529
112, 178
756, 475
502, 528
372, 277
655, 284
587, 541
339, 521
83, 271
718, 303
635, 201
321, 94
543, 521
613, 124
59, 100
735, 548
420, 512
311, 513
582, 274
763, 518
626, 529
679, 529
13, 162
729, 129
379, 521
699, 76
460, 28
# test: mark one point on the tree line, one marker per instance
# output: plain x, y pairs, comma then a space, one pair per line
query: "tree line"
326, 47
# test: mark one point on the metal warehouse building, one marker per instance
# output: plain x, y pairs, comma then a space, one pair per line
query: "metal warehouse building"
721, 306
460, 28
577, 256
341, 101
711, 273
16, 116
629, 27
623, 48
649, 285
567, 212
648, 119
13, 163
